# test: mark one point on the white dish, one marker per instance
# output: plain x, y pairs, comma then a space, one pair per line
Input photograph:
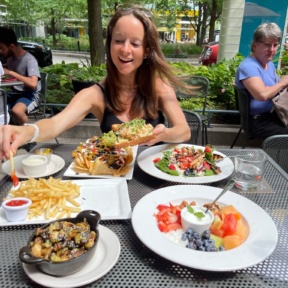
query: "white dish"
108, 197
70, 172
145, 162
260, 243
55, 165
106, 256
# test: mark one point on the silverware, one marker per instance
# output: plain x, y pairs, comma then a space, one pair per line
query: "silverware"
228, 186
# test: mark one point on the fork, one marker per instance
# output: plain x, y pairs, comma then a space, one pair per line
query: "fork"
228, 186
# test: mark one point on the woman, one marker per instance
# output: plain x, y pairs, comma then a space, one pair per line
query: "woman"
137, 85
257, 76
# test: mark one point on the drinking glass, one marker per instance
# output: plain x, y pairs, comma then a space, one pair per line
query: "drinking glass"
249, 170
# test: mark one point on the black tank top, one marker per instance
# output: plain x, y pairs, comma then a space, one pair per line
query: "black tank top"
109, 118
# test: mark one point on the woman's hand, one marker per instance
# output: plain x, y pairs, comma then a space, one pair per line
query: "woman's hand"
11, 137
159, 132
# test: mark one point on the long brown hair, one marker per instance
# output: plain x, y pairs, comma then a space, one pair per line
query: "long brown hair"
153, 66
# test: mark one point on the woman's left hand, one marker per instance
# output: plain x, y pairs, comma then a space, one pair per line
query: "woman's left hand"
158, 131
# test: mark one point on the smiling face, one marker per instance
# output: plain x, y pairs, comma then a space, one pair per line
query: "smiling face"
127, 45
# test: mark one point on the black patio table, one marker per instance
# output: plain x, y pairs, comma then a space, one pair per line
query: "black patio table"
138, 266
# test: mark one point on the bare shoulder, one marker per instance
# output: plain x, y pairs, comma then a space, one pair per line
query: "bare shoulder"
164, 89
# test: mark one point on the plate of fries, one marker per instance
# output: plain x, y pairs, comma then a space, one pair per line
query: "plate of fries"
72, 171
56, 199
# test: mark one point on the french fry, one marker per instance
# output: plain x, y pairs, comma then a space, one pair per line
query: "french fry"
51, 197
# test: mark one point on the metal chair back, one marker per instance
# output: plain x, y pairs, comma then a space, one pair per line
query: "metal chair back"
194, 121
201, 85
3, 107
41, 111
244, 110
276, 147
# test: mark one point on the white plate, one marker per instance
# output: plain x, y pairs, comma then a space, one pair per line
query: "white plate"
145, 162
260, 243
70, 172
55, 165
106, 256
108, 197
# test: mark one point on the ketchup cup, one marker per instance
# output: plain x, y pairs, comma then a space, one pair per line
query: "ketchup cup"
16, 209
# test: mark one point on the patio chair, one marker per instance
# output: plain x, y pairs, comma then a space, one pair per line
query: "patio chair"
4, 115
194, 121
276, 147
39, 112
244, 111
201, 84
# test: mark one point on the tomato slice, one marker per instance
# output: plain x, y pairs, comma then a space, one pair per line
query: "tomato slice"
156, 160
208, 149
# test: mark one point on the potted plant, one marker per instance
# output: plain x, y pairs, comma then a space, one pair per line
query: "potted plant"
87, 75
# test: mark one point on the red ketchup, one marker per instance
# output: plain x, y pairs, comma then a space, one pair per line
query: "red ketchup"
15, 203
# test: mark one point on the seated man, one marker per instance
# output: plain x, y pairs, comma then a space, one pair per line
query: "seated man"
22, 99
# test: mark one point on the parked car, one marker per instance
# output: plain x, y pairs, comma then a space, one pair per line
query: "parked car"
209, 53
41, 52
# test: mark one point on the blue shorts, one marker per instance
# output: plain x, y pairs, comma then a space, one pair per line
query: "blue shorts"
27, 98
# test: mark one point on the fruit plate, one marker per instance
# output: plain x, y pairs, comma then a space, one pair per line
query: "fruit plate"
260, 243
145, 162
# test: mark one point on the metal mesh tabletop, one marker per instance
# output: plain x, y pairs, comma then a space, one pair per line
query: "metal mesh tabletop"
138, 266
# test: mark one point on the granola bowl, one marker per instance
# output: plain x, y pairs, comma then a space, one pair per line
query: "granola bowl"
64, 246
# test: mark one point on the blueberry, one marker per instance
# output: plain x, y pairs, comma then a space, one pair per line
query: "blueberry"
184, 237
189, 231
211, 241
213, 249
191, 245
206, 234
221, 248
201, 248
199, 243
196, 235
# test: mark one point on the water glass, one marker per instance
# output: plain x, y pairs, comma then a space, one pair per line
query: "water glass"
249, 170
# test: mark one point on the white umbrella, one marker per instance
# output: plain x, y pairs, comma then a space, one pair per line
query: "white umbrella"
255, 10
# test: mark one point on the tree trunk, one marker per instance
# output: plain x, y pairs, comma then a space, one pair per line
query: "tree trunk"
213, 18
97, 54
53, 31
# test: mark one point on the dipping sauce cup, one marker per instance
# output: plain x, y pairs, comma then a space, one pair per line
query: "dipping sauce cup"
47, 152
34, 165
16, 209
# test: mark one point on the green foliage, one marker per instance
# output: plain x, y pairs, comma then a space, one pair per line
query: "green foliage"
180, 48
88, 72
59, 86
221, 78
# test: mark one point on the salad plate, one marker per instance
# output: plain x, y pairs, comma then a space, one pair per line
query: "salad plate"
106, 256
259, 245
71, 172
145, 162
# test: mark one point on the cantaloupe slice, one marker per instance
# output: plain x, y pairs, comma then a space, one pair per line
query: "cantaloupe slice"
232, 241
230, 209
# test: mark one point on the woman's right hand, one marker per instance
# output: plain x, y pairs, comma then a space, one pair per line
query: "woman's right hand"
11, 137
